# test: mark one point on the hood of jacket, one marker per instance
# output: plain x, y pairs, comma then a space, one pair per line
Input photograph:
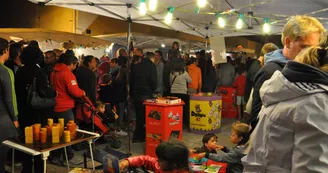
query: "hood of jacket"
61, 67
275, 56
295, 80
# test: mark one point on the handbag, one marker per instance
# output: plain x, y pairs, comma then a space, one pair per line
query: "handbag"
36, 101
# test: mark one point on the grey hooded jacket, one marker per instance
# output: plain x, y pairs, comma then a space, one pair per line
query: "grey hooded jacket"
292, 132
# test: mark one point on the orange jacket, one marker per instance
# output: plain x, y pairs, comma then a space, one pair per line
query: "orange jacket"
196, 77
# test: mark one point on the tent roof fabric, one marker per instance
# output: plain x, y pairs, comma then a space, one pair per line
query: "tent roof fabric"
205, 22
40, 34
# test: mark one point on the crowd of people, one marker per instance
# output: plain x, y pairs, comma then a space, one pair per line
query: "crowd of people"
285, 91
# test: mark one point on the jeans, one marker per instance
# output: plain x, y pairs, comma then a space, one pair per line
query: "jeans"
67, 115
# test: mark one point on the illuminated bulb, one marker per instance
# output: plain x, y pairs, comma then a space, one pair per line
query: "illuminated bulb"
143, 7
79, 51
266, 26
153, 5
107, 50
169, 16
201, 3
163, 45
239, 23
221, 22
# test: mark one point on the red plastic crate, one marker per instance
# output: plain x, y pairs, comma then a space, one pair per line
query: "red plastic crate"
229, 107
151, 145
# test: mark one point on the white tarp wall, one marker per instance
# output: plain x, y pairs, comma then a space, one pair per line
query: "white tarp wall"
218, 49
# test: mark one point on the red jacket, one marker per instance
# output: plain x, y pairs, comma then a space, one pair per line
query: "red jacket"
64, 82
150, 163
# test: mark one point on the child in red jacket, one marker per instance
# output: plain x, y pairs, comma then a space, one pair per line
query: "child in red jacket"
240, 84
172, 158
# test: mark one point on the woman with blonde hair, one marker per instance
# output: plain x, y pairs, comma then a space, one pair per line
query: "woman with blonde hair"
292, 132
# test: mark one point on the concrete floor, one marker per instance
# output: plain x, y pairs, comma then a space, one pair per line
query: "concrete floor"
191, 140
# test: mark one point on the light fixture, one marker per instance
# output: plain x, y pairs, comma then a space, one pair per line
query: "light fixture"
239, 23
142, 7
163, 45
266, 26
201, 3
197, 10
221, 21
152, 5
107, 50
79, 51
169, 16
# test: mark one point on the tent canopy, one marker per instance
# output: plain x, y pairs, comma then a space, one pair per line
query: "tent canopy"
205, 22
58, 36
151, 42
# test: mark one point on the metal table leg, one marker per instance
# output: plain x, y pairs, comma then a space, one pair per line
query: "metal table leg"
13, 161
66, 159
91, 154
44, 158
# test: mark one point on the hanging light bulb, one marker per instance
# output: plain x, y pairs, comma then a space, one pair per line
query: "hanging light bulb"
169, 16
266, 26
221, 21
201, 3
142, 7
197, 10
152, 5
239, 23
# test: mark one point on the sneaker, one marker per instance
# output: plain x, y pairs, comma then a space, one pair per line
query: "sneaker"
74, 161
121, 133
57, 161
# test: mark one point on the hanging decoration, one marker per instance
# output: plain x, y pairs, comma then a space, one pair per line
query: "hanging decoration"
169, 16
143, 7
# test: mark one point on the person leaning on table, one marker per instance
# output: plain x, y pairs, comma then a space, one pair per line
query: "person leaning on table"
8, 105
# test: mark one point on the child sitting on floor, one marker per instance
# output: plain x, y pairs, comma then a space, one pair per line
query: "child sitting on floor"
105, 111
172, 157
239, 136
209, 144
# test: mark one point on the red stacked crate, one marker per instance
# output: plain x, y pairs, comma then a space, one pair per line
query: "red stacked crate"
229, 107
162, 123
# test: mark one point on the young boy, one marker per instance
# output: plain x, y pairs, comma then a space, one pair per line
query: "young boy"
105, 111
239, 136
240, 84
209, 144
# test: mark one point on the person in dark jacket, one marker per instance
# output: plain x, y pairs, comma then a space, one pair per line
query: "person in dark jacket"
255, 67
168, 67
14, 62
209, 78
86, 78
293, 43
49, 63
8, 104
31, 58
143, 83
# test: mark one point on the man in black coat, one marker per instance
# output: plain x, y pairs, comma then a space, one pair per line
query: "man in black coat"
86, 78
143, 83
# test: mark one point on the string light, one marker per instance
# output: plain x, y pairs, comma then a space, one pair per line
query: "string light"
169, 16
239, 23
201, 3
142, 7
266, 26
197, 10
221, 21
153, 5
163, 45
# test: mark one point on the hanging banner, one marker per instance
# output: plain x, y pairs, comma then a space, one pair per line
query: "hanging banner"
218, 49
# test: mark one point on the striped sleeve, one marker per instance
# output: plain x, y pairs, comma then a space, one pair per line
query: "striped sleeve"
9, 94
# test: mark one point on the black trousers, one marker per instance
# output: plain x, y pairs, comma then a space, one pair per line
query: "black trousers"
3, 157
28, 163
140, 131
185, 99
